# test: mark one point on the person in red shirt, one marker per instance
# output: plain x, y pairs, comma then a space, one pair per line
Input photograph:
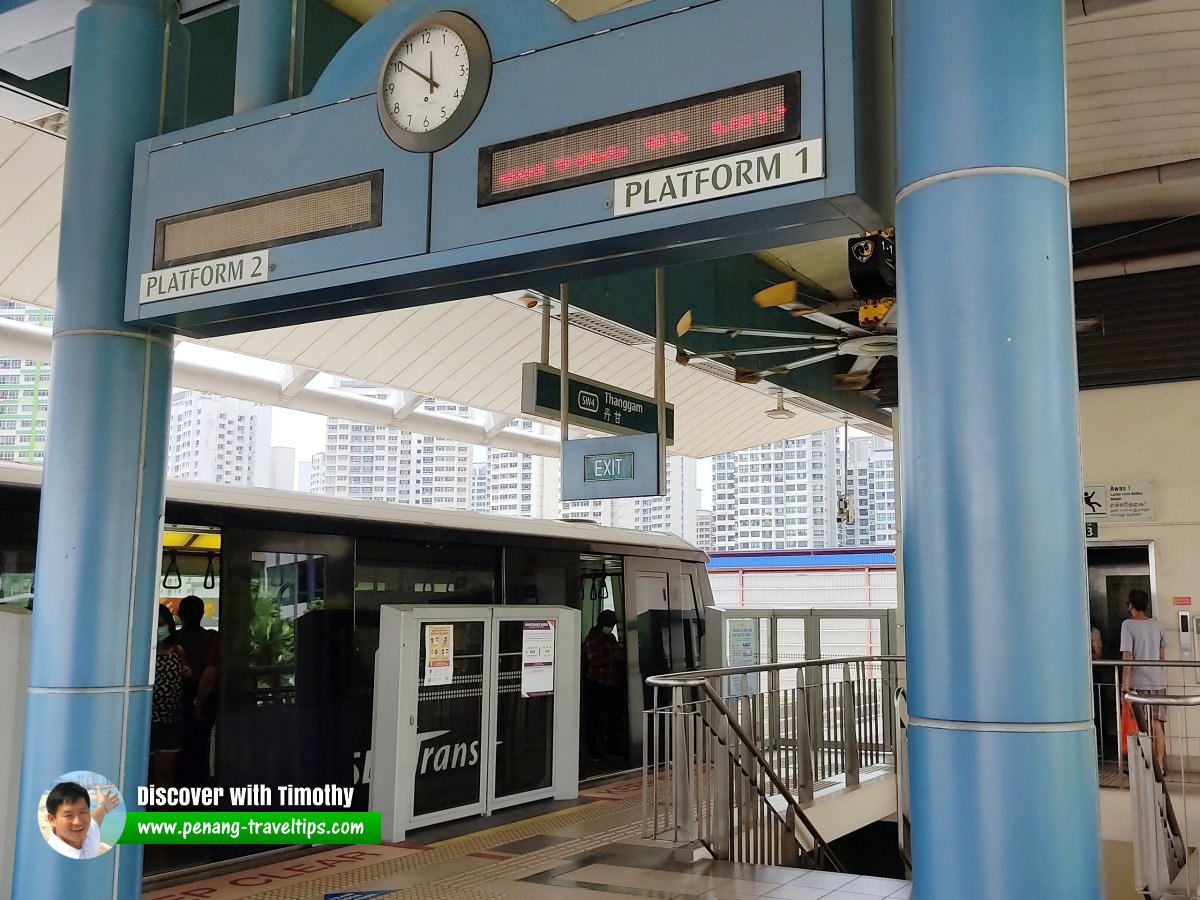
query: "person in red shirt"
603, 688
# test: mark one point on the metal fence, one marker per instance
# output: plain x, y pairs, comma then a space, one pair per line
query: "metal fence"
731, 768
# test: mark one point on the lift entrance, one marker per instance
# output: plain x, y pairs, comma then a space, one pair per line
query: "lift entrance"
476, 709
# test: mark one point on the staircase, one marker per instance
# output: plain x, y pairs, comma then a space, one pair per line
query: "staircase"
733, 776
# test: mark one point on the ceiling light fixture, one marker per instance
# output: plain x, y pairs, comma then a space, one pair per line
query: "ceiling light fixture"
779, 411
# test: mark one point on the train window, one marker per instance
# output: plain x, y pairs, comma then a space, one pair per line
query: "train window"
601, 587
541, 576
191, 565
16, 576
377, 583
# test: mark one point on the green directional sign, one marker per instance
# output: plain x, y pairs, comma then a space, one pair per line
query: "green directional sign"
591, 404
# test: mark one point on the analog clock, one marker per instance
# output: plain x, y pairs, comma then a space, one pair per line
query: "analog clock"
434, 81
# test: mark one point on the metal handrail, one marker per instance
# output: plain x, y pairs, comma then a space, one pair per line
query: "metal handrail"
702, 679
693, 678
900, 704
1162, 663
1161, 699
819, 843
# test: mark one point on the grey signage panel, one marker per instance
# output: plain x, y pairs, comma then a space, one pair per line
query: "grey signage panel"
611, 468
591, 403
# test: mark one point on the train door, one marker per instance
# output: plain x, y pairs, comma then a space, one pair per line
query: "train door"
605, 720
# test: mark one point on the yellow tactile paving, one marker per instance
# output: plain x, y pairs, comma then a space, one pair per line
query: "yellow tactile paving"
390, 871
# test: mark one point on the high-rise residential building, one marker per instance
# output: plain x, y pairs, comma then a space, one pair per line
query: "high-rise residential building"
676, 511
883, 492
219, 439
282, 472
304, 476
377, 463
519, 484
312, 475
704, 530
601, 512
24, 394
479, 487
785, 495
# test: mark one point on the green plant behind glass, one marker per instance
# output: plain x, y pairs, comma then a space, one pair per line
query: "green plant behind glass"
272, 638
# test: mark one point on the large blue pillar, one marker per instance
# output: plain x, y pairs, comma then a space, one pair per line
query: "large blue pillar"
1003, 773
102, 496
268, 65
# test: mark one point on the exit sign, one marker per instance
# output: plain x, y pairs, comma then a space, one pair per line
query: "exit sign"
611, 467
608, 467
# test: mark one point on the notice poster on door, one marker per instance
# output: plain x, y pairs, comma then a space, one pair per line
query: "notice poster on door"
439, 654
742, 651
537, 658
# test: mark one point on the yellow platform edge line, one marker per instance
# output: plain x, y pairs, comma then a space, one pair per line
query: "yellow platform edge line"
570, 810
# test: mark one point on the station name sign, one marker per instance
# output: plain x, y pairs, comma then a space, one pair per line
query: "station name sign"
591, 403
736, 119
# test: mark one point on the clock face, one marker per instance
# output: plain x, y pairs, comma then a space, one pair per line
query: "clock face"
434, 82
426, 79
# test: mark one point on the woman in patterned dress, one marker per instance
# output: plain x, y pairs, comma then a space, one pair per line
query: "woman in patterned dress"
166, 716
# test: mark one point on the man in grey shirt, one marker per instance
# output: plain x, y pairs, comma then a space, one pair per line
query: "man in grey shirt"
1142, 638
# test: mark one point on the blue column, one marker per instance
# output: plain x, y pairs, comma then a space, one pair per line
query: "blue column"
267, 64
1003, 775
102, 496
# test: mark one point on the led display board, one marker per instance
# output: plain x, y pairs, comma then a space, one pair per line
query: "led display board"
286, 217
729, 121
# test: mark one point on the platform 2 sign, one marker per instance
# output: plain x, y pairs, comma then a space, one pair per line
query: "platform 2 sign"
591, 404
611, 468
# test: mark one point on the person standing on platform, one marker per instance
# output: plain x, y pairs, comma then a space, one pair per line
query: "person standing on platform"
196, 643
1142, 639
166, 712
603, 688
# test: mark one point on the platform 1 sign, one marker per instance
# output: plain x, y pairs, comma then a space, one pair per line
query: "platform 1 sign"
591, 404
724, 177
611, 468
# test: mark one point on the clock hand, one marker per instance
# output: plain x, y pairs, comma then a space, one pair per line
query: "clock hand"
433, 85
